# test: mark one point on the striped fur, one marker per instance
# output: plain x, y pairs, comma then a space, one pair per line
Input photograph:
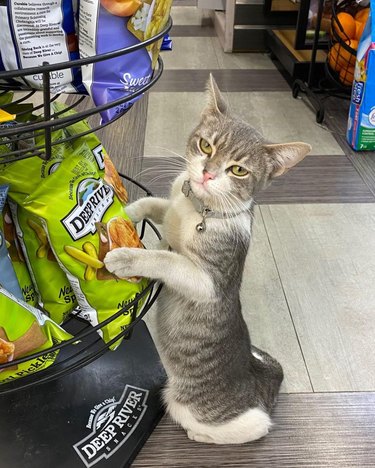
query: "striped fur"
220, 388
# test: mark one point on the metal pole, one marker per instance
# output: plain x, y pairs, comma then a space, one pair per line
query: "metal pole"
315, 43
47, 112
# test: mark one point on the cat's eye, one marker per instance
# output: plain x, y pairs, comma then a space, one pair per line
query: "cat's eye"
205, 147
238, 171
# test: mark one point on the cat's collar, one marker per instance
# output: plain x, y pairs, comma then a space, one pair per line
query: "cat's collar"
202, 209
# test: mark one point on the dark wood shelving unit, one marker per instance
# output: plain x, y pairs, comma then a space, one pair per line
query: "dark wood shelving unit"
295, 62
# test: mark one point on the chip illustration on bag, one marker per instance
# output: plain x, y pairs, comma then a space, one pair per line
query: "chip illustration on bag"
108, 25
25, 330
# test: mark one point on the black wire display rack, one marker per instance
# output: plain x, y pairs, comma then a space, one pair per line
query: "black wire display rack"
14, 137
328, 86
86, 346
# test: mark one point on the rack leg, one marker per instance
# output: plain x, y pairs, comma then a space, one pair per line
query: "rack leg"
300, 86
307, 88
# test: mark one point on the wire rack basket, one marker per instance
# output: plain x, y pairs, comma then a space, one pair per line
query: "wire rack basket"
16, 138
86, 345
342, 47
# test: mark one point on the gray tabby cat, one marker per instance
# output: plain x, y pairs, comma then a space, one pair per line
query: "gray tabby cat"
220, 388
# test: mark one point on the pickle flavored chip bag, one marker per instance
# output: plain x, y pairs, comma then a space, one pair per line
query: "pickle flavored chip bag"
8, 278
54, 292
25, 330
17, 258
56, 296
87, 220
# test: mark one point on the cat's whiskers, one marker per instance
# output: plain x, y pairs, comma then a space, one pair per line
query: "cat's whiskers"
161, 176
170, 151
165, 167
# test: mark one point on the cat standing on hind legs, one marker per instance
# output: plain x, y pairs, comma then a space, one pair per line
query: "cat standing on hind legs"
220, 388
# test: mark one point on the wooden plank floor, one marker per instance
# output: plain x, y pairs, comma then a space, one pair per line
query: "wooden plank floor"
311, 430
317, 179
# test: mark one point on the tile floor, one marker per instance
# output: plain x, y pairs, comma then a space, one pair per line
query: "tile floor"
308, 295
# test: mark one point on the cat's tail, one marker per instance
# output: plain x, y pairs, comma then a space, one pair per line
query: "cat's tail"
269, 372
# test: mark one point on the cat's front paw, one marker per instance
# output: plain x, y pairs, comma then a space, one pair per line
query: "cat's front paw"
135, 212
120, 262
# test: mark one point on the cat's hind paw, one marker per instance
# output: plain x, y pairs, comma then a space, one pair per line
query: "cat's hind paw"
205, 439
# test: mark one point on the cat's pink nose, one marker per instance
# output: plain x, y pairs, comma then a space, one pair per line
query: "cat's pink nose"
208, 176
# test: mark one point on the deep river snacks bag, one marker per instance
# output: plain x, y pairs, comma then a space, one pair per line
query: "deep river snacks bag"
25, 330
107, 25
361, 122
8, 278
55, 294
34, 32
17, 257
86, 221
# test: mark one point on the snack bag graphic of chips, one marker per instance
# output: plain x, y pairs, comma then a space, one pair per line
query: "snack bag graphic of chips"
25, 330
148, 21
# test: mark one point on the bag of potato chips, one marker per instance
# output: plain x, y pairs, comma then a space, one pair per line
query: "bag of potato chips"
108, 25
8, 278
55, 294
17, 258
25, 330
86, 221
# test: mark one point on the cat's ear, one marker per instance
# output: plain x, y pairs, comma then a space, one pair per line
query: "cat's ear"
286, 155
215, 99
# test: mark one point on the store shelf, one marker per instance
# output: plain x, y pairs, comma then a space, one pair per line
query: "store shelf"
295, 62
242, 26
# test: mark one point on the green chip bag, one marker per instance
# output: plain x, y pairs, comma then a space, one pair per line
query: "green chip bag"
25, 330
56, 296
17, 258
54, 292
82, 208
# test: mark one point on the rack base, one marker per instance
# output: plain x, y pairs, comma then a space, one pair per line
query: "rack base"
100, 415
